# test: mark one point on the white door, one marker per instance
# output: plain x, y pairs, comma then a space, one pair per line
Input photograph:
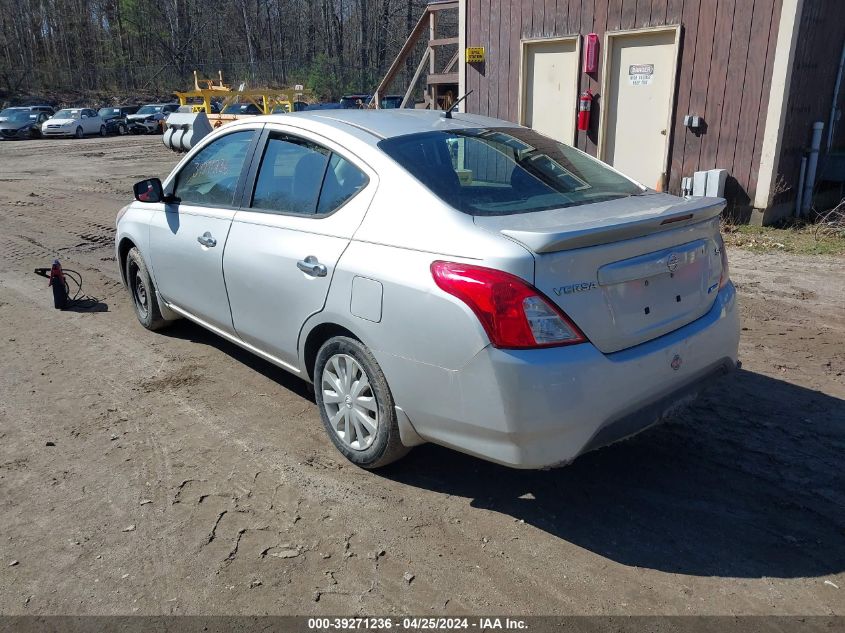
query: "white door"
306, 204
639, 99
550, 87
187, 239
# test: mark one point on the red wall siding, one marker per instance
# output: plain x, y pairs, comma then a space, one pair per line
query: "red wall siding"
726, 53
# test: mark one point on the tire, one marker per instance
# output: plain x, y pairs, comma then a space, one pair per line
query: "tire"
78, 133
343, 414
121, 129
142, 292
102, 130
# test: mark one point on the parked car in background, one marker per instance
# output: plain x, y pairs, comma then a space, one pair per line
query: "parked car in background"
115, 118
351, 102
21, 124
149, 119
242, 109
7, 112
47, 109
76, 122
322, 106
465, 281
391, 102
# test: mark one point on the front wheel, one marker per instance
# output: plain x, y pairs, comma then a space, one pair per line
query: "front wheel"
356, 405
142, 291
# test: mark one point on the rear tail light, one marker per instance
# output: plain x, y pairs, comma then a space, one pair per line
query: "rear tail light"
726, 273
514, 314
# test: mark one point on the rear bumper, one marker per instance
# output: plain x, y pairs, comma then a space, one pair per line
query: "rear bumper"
542, 408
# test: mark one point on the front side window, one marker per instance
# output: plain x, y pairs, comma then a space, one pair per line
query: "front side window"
505, 170
300, 177
211, 176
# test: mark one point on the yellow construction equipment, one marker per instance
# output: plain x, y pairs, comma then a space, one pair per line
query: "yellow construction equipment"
264, 100
212, 104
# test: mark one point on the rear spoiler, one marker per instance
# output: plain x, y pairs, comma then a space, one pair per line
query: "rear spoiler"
685, 213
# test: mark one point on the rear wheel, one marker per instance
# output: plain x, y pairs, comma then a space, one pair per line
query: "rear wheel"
142, 291
78, 133
356, 404
121, 129
102, 130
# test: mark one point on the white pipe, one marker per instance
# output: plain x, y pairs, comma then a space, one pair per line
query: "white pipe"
832, 122
812, 164
800, 195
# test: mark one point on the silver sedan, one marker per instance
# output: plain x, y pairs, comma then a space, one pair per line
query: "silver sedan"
458, 280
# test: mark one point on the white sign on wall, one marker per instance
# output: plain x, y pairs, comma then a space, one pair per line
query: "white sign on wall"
640, 74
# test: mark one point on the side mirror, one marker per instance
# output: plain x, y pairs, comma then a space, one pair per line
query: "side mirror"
149, 190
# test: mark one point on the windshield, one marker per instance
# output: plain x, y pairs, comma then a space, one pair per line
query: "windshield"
149, 109
504, 171
109, 112
19, 116
8, 112
67, 114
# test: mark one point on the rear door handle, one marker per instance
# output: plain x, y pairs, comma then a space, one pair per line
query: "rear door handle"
206, 240
310, 266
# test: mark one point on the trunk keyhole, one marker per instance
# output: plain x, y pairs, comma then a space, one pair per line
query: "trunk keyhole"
647, 310
678, 298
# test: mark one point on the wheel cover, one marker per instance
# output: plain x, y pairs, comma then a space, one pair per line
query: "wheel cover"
349, 402
139, 292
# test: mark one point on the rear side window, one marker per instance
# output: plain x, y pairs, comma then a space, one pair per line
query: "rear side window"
211, 176
300, 177
343, 180
505, 171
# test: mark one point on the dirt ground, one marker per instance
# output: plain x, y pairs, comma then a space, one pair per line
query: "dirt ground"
147, 473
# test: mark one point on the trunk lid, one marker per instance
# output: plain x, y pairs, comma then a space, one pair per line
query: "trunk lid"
628, 270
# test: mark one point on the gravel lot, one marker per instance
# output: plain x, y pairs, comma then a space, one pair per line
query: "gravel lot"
174, 473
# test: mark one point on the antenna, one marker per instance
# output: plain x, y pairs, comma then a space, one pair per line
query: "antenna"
448, 113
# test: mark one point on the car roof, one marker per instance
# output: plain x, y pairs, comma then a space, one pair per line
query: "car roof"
384, 124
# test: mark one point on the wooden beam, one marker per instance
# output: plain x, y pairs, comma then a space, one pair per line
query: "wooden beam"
416, 78
442, 6
452, 62
437, 79
443, 41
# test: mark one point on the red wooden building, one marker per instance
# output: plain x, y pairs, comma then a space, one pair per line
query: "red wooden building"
679, 86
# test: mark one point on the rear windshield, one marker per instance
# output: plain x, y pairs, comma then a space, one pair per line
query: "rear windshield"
504, 171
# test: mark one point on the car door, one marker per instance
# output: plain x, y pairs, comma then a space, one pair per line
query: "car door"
304, 200
187, 238
90, 122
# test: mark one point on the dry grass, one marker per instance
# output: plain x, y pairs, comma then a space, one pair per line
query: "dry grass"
825, 236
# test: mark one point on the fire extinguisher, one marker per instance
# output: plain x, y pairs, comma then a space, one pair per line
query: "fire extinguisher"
585, 103
59, 286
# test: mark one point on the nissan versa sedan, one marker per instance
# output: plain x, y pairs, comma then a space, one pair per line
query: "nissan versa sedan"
458, 280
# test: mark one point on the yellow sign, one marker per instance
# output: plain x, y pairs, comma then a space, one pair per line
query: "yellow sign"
475, 54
